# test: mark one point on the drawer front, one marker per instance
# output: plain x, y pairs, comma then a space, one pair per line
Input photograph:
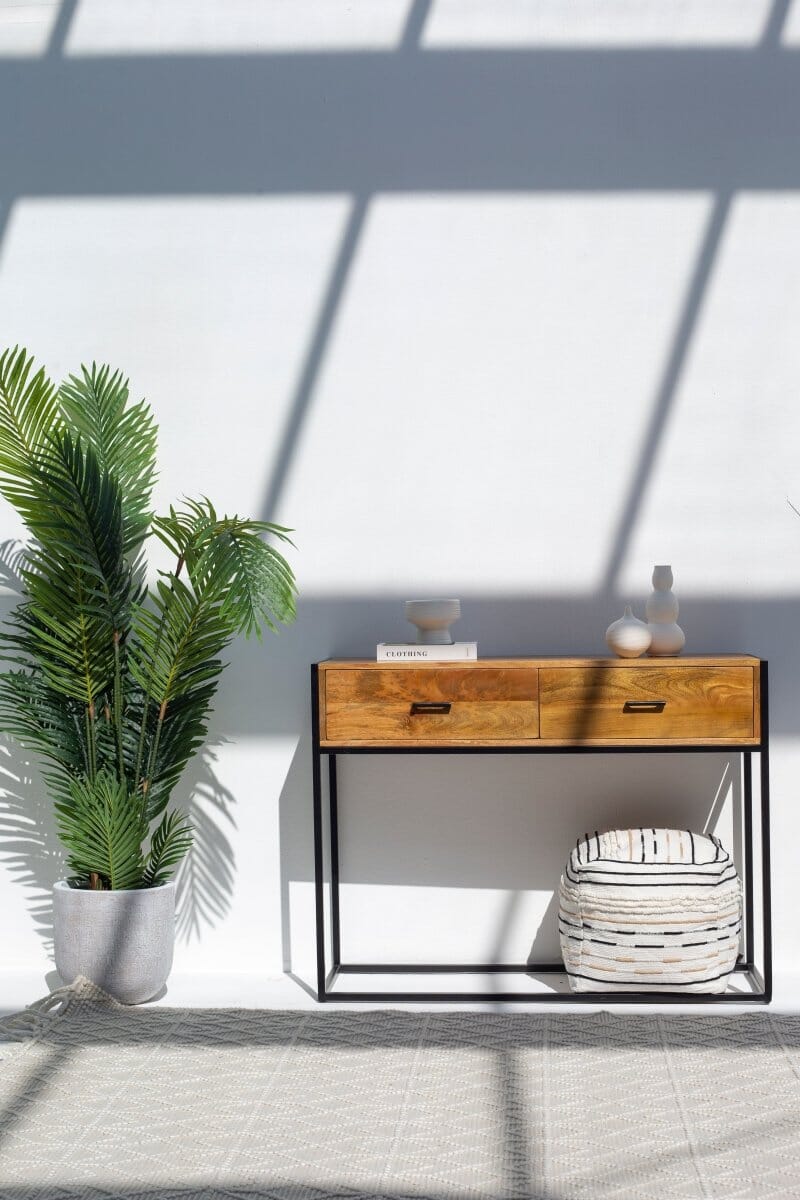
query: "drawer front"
585, 704
399, 705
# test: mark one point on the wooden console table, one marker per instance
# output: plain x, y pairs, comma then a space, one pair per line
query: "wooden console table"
539, 706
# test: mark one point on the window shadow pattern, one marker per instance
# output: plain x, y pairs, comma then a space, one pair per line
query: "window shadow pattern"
717, 120
523, 1056
672, 119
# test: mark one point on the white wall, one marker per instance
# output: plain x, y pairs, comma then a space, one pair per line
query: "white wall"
490, 299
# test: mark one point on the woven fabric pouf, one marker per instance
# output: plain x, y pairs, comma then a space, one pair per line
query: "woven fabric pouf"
649, 910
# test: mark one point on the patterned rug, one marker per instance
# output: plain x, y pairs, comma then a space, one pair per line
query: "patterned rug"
97, 1100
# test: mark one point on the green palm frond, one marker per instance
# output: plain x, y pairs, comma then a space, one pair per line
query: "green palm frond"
81, 528
236, 583
80, 588
171, 840
186, 529
255, 582
123, 437
171, 742
176, 642
227, 556
103, 830
41, 720
72, 654
173, 656
29, 413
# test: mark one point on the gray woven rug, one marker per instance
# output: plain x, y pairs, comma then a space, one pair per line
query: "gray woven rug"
97, 1100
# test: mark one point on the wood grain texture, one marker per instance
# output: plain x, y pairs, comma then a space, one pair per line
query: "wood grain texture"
467, 721
712, 700
440, 682
585, 704
489, 704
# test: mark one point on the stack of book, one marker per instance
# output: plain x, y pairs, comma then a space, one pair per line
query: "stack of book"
419, 652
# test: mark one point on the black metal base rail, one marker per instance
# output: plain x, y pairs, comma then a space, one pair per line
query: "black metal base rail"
531, 997
544, 968
327, 978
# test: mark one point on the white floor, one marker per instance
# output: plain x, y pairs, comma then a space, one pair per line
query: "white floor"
18, 989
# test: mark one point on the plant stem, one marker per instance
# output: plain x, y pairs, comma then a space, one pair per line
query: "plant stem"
84, 749
146, 708
140, 747
118, 705
151, 764
91, 744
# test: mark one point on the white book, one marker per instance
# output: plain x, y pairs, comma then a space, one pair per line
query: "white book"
414, 652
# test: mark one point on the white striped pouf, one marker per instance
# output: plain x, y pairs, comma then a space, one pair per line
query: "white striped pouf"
649, 910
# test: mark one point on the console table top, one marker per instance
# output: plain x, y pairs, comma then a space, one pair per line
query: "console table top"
692, 700
547, 660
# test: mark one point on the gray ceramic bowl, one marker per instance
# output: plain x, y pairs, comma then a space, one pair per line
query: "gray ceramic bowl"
433, 619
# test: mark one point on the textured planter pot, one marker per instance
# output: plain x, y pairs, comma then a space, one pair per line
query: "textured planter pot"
121, 941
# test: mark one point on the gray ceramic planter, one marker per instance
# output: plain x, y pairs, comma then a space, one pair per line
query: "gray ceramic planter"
121, 941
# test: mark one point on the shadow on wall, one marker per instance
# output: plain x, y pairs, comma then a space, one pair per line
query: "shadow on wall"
29, 844
414, 120
270, 695
503, 827
205, 878
437, 120
408, 120
267, 694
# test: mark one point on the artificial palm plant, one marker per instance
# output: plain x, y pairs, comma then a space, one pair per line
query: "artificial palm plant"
111, 682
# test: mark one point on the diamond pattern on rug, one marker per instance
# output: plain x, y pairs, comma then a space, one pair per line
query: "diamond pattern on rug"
101, 1101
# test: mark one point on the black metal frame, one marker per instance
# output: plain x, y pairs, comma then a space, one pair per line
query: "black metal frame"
746, 963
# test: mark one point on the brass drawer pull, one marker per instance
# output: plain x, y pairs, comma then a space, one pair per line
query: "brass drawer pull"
420, 707
644, 706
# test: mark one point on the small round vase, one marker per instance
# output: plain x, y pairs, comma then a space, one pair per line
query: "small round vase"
662, 615
628, 637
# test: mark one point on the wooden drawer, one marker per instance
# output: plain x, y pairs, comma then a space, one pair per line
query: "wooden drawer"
474, 704
682, 703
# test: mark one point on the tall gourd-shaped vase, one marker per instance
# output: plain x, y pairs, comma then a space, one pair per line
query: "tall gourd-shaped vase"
662, 615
